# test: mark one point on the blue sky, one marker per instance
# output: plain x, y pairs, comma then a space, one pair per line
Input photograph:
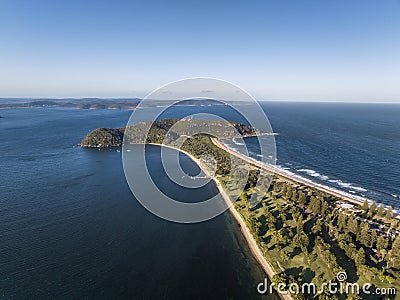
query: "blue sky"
336, 50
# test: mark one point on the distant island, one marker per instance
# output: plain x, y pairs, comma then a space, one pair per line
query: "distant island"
100, 103
84, 103
299, 232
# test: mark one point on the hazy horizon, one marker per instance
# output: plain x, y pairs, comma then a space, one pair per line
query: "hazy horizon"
308, 51
139, 98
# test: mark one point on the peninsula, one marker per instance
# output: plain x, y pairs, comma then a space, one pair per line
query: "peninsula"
299, 232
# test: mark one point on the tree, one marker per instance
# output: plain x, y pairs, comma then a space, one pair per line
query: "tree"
302, 199
352, 225
315, 205
324, 208
396, 245
279, 207
276, 187
300, 224
373, 238
360, 257
256, 224
382, 243
295, 196
381, 211
284, 255
277, 237
365, 235
295, 214
283, 217
317, 228
342, 221
389, 213
284, 190
346, 243
305, 241
395, 253
296, 241
243, 197
301, 241
365, 206
269, 216
382, 253
289, 193
372, 209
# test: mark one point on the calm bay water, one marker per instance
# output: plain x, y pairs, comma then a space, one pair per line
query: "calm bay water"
69, 226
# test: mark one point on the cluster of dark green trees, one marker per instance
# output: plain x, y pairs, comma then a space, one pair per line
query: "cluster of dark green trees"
159, 132
103, 137
312, 223
373, 210
357, 236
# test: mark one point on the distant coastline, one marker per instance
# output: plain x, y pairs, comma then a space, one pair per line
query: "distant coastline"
101, 103
84, 103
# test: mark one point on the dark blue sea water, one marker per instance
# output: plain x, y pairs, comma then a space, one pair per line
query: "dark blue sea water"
70, 227
353, 147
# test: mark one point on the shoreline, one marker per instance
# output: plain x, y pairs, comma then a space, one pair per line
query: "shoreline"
275, 170
294, 178
251, 242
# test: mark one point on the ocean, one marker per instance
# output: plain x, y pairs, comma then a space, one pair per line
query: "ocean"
351, 147
70, 227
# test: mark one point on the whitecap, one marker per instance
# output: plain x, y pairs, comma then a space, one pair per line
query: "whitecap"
310, 172
350, 194
237, 143
360, 189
